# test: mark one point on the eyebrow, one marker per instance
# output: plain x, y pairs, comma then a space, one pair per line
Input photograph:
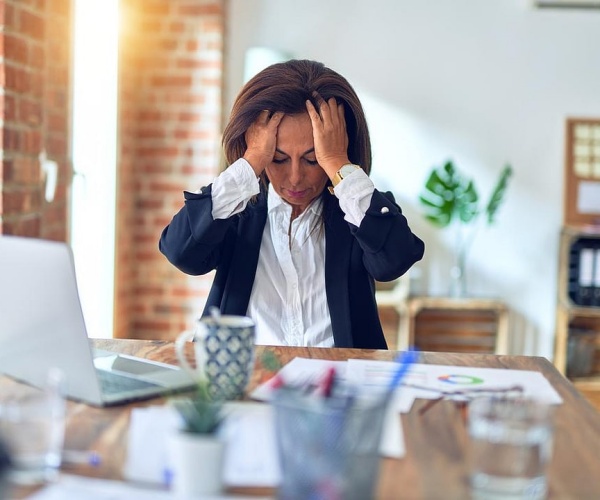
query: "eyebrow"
308, 151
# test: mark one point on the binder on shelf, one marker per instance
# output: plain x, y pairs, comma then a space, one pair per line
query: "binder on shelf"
586, 276
596, 298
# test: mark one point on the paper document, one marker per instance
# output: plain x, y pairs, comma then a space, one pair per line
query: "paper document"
300, 371
250, 457
428, 381
71, 487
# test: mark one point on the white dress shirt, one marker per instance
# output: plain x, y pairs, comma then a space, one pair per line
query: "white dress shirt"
288, 302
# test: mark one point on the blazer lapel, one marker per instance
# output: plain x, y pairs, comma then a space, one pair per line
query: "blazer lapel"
245, 259
338, 245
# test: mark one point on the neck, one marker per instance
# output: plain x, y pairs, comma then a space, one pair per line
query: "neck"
295, 212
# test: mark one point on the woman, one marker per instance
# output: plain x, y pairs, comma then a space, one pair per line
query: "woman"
294, 227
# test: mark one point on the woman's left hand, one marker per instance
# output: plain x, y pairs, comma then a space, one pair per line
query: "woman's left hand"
329, 134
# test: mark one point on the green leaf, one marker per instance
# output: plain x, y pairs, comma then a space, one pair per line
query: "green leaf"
270, 361
447, 195
498, 194
200, 417
466, 203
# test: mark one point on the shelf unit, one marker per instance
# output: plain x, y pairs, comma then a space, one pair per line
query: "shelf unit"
455, 325
447, 324
576, 324
577, 337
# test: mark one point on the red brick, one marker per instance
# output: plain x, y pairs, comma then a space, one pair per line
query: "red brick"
22, 226
59, 7
57, 121
23, 170
156, 8
154, 133
214, 9
31, 24
171, 81
36, 57
168, 152
177, 27
16, 48
21, 201
29, 111
10, 107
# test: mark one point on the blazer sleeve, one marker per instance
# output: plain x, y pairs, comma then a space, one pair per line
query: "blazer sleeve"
389, 246
193, 240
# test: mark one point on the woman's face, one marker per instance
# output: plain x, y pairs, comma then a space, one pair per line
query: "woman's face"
294, 172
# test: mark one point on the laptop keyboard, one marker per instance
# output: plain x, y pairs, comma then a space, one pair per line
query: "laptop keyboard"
113, 383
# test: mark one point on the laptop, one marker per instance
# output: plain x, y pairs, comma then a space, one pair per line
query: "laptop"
42, 326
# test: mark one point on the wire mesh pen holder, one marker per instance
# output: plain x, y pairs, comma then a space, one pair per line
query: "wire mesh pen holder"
328, 447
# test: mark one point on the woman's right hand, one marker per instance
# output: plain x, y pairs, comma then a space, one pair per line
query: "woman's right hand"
261, 139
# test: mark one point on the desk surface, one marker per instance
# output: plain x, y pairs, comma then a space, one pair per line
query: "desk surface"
436, 442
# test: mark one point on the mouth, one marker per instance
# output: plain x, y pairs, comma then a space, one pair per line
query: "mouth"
296, 194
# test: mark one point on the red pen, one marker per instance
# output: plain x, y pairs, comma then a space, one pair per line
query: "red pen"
328, 382
277, 382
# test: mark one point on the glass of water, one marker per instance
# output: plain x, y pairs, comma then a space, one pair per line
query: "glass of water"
511, 443
32, 424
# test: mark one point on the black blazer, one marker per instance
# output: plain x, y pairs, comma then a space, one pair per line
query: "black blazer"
382, 248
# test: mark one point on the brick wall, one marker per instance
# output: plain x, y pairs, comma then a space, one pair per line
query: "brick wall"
34, 107
169, 133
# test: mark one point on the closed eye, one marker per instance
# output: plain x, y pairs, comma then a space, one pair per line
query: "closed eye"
311, 162
279, 161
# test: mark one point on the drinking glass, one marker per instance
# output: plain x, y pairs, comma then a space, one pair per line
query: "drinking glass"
511, 447
32, 425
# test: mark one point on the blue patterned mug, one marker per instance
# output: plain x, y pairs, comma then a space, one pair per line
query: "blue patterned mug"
224, 351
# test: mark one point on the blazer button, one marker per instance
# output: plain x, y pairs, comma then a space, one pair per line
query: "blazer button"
384, 210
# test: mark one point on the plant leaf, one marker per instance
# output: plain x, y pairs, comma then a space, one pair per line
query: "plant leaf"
200, 417
447, 195
498, 194
466, 204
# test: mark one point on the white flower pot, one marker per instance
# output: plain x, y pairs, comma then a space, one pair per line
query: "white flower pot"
196, 463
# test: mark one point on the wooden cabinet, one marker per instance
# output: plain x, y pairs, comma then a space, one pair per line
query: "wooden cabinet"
455, 325
577, 340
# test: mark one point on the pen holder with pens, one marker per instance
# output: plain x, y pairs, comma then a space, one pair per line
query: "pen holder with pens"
328, 446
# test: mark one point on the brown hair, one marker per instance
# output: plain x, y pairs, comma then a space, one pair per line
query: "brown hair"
286, 87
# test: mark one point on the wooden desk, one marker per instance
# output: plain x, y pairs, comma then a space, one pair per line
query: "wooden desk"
436, 442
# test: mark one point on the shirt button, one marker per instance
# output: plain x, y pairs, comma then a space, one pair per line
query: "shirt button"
384, 210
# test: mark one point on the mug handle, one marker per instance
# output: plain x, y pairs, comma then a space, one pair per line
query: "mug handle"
180, 344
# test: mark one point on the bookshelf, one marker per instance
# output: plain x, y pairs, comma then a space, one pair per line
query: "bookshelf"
577, 343
582, 172
577, 339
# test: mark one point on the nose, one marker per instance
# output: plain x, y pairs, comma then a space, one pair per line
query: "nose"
296, 173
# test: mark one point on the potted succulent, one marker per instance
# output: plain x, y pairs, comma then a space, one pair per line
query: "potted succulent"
449, 197
196, 449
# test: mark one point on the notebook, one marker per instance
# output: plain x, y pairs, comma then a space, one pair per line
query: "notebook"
42, 326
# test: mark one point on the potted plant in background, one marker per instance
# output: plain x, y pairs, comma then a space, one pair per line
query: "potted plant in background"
196, 449
449, 197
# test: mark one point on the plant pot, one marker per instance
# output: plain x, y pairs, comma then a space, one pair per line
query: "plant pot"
196, 463
458, 282
458, 272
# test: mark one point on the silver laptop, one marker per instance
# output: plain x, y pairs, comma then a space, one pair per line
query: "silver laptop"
42, 326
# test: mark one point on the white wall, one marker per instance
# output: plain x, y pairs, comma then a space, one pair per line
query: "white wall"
481, 82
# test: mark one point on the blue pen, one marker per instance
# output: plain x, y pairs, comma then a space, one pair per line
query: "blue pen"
405, 360
77, 457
